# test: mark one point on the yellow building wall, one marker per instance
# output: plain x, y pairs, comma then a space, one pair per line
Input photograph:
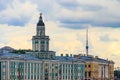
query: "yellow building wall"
93, 68
111, 71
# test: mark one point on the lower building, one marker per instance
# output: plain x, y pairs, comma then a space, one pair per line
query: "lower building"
111, 70
27, 67
71, 68
97, 68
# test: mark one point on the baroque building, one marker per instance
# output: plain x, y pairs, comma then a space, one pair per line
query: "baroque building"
40, 63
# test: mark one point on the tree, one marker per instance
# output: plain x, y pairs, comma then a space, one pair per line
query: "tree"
117, 73
21, 51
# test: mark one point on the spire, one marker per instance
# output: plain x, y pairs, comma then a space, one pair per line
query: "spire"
87, 47
40, 23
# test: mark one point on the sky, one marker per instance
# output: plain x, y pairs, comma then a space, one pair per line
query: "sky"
65, 23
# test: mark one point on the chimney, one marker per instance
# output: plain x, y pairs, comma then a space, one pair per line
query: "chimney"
67, 55
61, 54
70, 55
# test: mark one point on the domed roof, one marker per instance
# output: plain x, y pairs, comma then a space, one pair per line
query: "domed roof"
7, 48
40, 23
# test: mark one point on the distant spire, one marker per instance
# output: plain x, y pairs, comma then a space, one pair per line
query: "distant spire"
40, 23
87, 47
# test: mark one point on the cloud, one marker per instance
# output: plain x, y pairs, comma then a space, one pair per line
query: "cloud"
106, 38
78, 23
118, 1
70, 4
89, 13
76, 5
16, 37
17, 13
3, 4
69, 12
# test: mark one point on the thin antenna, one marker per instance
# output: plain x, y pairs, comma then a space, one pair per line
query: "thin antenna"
87, 41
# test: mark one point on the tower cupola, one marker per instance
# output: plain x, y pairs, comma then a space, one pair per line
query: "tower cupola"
40, 23
40, 27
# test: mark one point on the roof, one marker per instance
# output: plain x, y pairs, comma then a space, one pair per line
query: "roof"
91, 58
87, 58
102, 60
17, 56
67, 59
7, 48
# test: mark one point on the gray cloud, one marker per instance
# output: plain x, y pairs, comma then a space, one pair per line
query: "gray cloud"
15, 21
88, 7
69, 4
15, 13
12, 12
118, 1
95, 14
75, 5
106, 38
77, 23
4, 3
98, 14
73, 23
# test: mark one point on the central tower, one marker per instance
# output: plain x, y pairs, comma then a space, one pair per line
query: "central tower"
40, 42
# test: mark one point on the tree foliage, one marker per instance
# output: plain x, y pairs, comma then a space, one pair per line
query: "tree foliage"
21, 51
117, 73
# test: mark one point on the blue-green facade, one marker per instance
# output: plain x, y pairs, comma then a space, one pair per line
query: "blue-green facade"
0, 72
36, 69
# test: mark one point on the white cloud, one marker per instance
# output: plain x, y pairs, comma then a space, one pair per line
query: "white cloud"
17, 37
